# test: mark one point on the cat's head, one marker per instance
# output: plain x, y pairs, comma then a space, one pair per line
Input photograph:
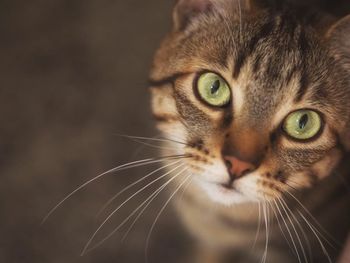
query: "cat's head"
261, 97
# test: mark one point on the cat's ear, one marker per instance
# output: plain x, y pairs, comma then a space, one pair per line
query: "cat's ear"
187, 10
339, 38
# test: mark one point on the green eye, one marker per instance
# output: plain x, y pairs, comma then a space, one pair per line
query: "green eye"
213, 89
303, 124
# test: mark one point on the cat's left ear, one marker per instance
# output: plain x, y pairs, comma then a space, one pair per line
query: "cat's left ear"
339, 37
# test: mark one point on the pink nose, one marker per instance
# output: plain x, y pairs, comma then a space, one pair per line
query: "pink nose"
237, 167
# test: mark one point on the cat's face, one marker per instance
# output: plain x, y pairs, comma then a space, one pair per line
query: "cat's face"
257, 97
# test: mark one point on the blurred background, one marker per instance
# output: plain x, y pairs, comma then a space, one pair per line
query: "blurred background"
74, 73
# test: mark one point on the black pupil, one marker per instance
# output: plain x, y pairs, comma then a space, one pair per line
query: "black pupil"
303, 121
215, 87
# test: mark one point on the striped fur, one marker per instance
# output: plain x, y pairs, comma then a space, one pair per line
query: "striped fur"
276, 60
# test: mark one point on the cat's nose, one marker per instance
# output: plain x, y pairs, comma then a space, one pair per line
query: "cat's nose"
236, 167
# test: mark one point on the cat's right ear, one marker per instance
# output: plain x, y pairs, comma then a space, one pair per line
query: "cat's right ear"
339, 37
187, 10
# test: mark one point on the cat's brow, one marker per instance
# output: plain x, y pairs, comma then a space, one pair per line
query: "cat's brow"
166, 80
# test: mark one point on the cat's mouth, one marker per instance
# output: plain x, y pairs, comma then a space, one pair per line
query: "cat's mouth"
228, 185
229, 190
224, 193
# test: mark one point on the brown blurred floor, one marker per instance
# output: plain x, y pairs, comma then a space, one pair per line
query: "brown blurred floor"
72, 74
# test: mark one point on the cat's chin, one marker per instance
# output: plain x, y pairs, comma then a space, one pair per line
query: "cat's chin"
221, 194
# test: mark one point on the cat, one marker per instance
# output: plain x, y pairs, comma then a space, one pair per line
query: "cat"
256, 96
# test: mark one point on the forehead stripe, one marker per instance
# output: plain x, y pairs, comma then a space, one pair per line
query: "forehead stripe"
246, 51
304, 47
303, 85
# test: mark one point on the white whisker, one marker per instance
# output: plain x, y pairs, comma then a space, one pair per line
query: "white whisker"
160, 212
133, 184
288, 230
285, 207
186, 187
115, 169
301, 229
263, 259
154, 146
325, 232
258, 227
149, 199
151, 139
122, 204
141, 212
279, 224
325, 252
